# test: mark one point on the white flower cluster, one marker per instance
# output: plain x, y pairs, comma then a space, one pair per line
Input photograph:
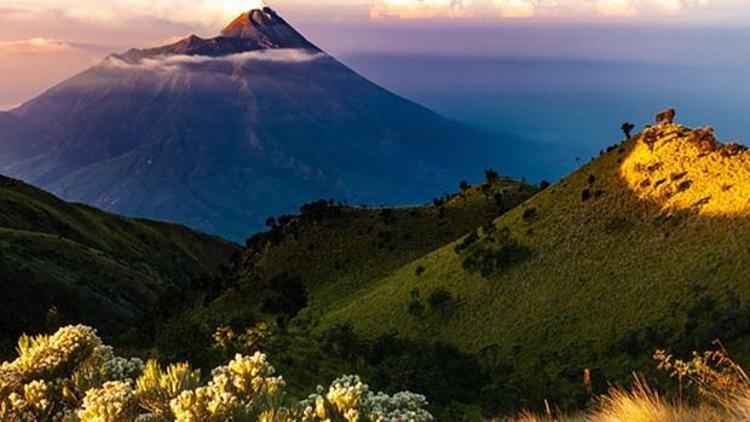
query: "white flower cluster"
121, 369
350, 398
402, 407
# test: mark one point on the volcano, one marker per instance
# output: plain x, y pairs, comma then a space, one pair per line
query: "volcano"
221, 133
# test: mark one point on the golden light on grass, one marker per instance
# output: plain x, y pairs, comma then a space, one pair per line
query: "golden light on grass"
682, 169
640, 403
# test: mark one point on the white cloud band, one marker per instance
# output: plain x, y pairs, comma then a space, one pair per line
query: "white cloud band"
175, 62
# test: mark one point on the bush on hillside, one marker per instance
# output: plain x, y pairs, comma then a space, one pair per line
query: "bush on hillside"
493, 254
439, 297
529, 214
491, 176
415, 306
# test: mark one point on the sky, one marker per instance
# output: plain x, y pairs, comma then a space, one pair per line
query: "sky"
44, 41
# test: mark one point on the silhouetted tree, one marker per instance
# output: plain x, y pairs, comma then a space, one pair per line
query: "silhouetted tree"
627, 128
491, 175
464, 185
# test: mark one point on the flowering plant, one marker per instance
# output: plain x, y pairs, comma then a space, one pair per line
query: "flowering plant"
72, 376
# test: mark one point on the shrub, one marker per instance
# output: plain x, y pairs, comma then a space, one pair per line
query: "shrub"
439, 297
529, 214
415, 307
491, 176
492, 255
627, 129
72, 376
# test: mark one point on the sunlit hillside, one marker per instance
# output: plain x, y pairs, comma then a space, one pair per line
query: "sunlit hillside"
644, 247
308, 263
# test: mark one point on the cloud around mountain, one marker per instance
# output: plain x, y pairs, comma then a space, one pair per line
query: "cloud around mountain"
175, 62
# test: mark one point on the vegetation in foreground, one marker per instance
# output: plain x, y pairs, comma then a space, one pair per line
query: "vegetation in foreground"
72, 376
711, 388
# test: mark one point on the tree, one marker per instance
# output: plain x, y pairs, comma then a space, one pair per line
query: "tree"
491, 175
627, 128
464, 185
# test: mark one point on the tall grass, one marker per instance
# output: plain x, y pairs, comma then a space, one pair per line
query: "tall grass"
722, 384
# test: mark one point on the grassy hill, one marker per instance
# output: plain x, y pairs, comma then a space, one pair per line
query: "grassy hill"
63, 262
647, 246
310, 262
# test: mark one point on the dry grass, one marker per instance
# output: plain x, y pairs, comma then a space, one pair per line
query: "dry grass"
722, 384
640, 403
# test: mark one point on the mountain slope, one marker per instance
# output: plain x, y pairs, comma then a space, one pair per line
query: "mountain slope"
220, 133
64, 262
644, 247
310, 262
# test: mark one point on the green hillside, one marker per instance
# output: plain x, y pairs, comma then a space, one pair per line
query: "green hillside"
310, 262
62, 262
647, 246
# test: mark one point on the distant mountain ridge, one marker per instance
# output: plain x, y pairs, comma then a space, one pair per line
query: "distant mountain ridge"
221, 133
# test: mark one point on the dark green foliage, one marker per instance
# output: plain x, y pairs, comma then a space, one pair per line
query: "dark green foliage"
467, 242
618, 225
419, 271
455, 382
494, 253
440, 297
320, 210
529, 214
288, 296
491, 176
627, 129
415, 306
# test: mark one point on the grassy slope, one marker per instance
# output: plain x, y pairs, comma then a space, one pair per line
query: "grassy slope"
94, 267
337, 255
662, 239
